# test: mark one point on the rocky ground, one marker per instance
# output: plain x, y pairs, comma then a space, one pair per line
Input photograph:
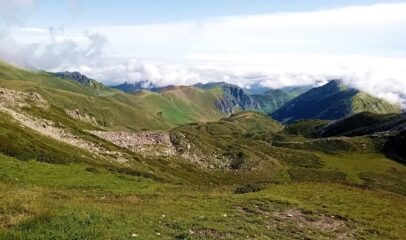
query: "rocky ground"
12, 102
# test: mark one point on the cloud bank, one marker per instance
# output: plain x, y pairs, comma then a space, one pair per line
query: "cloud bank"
364, 45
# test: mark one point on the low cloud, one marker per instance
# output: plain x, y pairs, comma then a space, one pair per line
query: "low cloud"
363, 45
58, 50
371, 75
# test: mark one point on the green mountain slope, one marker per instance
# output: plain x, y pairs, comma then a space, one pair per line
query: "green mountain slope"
332, 101
229, 177
234, 98
272, 100
113, 108
365, 123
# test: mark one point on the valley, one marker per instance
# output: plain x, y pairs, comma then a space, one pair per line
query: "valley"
80, 160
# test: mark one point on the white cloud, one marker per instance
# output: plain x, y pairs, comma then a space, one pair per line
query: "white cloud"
55, 50
362, 44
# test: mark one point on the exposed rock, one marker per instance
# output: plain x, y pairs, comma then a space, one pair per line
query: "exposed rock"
234, 98
145, 143
11, 102
17, 99
76, 114
76, 76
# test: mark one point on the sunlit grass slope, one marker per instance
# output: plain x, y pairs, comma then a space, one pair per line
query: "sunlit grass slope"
113, 108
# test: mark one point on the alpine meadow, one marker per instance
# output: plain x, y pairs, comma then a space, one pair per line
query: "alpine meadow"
185, 120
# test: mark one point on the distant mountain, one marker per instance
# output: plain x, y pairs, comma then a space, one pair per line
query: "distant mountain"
233, 99
80, 78
295, 91
256, 89
273, 99
136, 86
332, 101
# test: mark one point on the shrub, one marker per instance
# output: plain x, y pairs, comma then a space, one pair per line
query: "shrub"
92, 169
251, 187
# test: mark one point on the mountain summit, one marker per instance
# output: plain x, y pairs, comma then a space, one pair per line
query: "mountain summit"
233, 99
332, 101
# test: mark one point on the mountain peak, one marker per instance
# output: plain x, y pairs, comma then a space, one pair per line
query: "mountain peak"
331, 101
76, 76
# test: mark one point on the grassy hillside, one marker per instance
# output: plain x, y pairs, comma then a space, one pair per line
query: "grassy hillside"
330, 102
272, 100
113, 108
245, 176
365, 123
322, 196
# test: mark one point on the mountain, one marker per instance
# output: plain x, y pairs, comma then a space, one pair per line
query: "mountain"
256, 89
233, 99
136, 86
332, 101
75, 93
273, 99
80, 78
365, 123
78, 162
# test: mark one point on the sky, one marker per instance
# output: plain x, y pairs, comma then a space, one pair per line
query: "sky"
245, 42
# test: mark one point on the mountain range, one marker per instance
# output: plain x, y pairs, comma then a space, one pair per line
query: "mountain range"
81, 160
328, 102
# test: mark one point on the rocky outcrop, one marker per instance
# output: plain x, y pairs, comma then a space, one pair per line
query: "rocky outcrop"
16, 99
12, 103
234, 98
153, 144
76, 114
76, 76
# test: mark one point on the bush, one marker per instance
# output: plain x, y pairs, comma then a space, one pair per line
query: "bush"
252, 187
237, 158
92, 169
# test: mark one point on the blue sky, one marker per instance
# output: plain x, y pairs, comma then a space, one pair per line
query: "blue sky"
245, 42
126, 12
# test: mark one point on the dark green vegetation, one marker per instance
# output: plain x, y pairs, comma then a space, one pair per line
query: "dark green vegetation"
332, 101
395, 146
365, 123
272, 100
245, 176
233, 99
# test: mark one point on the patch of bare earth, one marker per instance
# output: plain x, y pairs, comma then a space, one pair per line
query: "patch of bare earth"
297, 221
76, 114
11, 102
150, 143
211, 234
332, 225
160, 144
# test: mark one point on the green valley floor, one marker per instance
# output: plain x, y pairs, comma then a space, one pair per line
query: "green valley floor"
75, 201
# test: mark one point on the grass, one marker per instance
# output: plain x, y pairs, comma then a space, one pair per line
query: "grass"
113, 108
179, 212
70, 176
294, 186
355, 164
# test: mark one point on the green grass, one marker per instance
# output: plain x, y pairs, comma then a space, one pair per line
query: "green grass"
113, 108
355, 164
293, 186
180, 212
70, 176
